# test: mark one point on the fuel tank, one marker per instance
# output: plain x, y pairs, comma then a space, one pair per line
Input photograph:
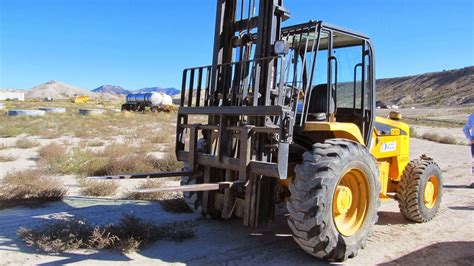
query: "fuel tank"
152, 98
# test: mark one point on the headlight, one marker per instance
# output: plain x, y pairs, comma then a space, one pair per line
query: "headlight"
280, 47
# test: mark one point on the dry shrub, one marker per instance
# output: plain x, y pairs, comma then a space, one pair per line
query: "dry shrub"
144, 148
78, 161
170, 201
7, 158
4, 146
91, 143
149, 183
446, 139
413, 133
131, 163
99, 188
128, 235
29, 187
52, 151
9, 131
159, 138
57, 236
95, 143
115, 159
24, 143
117, 150
55, 158
49, 134
120, 165
168, 163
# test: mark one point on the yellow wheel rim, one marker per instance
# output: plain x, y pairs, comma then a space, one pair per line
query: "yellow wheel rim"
431, 192
351, 202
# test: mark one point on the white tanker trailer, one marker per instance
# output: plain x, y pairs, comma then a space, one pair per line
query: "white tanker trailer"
154, 101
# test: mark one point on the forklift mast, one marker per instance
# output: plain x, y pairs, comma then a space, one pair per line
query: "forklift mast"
248, 99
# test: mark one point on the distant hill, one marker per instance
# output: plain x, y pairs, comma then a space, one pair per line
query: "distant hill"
111, 89
169, 91
57, 90
445, 88
62, 91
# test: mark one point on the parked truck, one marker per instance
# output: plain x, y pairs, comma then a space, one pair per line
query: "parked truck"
152, 101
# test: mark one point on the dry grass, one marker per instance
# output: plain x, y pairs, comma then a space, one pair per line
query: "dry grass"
29, 186
4, 146
53, 158
7, 158
9, 131
131, 163
413, 133
99, 188
446, 139
49, 133
129, 235
25, 143
52, 151
160, 137
117, 150
128, 125
170, 201
149, 183
95, 143
114, 159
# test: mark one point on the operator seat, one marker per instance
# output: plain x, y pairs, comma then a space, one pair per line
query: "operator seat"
318, 103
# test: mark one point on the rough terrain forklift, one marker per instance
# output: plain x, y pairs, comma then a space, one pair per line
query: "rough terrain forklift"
287, 114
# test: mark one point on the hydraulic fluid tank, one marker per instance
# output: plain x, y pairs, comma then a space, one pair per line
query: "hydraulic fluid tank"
152, 98
166, 100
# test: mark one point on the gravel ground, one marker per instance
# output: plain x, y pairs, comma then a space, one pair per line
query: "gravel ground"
448, 239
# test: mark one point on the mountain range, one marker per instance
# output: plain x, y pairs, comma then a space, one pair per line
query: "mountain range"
119, 90
111, 89
61, 91
444, 88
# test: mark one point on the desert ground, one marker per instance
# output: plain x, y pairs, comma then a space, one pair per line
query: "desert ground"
446, 240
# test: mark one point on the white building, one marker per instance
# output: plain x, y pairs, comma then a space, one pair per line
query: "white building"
11, 95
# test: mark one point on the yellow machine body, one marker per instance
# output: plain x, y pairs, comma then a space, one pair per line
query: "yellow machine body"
390, 146
81, 99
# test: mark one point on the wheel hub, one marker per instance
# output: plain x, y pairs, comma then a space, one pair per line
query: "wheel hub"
343, 199
351, 202
429, 192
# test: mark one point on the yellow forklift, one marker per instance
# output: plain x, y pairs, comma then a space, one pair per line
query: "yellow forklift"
286, 114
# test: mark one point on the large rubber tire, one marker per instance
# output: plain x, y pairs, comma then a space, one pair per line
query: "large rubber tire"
193, 198
410, 193
310, 205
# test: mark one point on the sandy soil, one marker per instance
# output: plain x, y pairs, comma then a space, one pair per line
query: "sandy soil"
448, 239
455, 114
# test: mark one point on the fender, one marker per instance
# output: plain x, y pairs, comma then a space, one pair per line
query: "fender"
341, 130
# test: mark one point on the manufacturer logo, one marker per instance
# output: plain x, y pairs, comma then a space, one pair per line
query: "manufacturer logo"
388, 147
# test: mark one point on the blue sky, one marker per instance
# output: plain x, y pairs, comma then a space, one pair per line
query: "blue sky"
144, 43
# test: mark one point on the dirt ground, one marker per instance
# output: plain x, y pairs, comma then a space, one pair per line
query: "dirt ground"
446, 240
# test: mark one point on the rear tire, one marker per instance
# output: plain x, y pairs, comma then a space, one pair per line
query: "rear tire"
314, 202
420, 190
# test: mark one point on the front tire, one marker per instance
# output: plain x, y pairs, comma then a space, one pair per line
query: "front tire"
334, 199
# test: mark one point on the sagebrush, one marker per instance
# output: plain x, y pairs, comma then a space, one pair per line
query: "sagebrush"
29, 187
129, 235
